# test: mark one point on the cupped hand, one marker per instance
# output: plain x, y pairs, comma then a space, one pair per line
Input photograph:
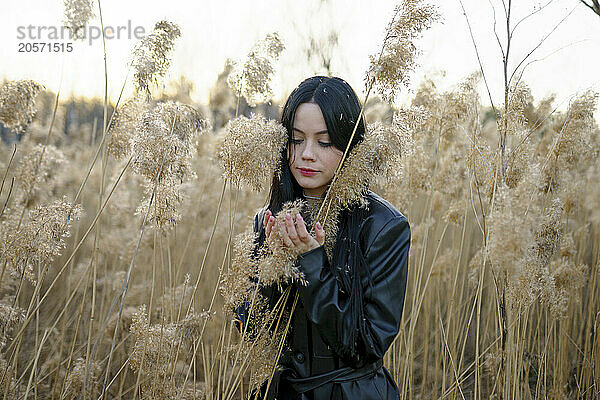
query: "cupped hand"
294, 235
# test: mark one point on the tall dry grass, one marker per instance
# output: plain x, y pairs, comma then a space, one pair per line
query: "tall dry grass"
111, 272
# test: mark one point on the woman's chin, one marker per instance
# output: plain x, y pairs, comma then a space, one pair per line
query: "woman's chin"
307, 183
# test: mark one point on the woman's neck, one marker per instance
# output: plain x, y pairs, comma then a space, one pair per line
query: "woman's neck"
310, 198
313, 203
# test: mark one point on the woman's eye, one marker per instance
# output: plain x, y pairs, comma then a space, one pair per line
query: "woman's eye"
322, 144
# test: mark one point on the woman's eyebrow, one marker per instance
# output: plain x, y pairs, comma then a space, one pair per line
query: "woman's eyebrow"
316, 133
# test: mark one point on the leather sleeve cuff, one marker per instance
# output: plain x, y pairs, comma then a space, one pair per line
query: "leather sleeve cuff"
311, 264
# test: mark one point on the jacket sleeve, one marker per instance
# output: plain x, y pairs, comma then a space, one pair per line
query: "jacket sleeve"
383, 298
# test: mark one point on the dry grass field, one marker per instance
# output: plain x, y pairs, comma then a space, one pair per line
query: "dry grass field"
118, 241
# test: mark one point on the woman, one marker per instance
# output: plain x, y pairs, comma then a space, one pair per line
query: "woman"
349, 313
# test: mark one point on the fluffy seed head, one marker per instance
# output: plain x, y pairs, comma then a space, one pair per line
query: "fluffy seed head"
17, 106
32, 174
151, 56
77, 15
250, 151
9, 317
40, 239
391, 68
238, 282
76, 379
376, 157
164, 210
277, 262
167, 131
123, 126
252, 78
154, 344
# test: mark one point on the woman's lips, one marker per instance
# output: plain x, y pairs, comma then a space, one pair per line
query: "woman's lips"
307, 172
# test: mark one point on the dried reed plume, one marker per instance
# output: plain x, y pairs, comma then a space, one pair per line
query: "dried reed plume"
10, 316
560, 277
40, 239
250, 150
251, 269
164, 212
83, 375
151, 56
37, 179
166, 135
17, 107
390, 69
377, 157
572, 147
277, 262
271, 263
252, 78
239, 281
123, 126
164, 140
77, 15
154, 345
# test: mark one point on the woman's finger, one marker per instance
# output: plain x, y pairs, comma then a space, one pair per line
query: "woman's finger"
266, 218
303, 234
284, 234
320, 233
270, 225
291, 229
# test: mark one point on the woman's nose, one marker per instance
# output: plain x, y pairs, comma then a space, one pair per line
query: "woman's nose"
308, 152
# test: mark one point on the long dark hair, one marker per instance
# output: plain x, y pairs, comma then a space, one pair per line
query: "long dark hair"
340, 107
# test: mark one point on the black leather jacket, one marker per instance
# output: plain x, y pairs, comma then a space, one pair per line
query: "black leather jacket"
320, 327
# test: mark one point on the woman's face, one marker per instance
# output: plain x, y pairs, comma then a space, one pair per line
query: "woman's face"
313, 159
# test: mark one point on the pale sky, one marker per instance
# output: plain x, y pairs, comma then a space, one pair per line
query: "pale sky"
215, 30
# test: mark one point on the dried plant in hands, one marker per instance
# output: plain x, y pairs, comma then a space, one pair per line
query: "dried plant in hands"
252, 268
252, 78
17, 106
77, 15
151, 56
250, 150
277, 262
390, 69
271, 263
